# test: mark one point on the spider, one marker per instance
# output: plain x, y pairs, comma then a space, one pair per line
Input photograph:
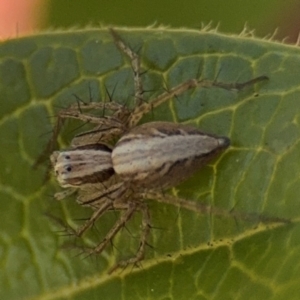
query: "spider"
146, 160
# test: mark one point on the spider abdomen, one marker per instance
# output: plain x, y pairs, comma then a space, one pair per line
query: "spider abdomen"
163, 154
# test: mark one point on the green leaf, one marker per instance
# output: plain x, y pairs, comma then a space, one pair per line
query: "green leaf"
194, 256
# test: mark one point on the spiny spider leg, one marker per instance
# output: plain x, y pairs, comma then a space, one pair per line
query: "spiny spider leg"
97, 135
132, 207
135, 63
95, 216
95, 199
145, 230
51, 145
64, 194
108, 126
146, 107
101, 201
72, 112
143, 107
204, 208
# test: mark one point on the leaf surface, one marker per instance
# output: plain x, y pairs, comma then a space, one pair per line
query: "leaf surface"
193, 256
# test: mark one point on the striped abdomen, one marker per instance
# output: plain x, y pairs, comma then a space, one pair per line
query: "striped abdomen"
162, 154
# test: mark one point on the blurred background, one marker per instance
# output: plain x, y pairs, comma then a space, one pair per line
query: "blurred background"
19, 17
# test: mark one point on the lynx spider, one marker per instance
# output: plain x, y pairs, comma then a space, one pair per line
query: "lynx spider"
112, 193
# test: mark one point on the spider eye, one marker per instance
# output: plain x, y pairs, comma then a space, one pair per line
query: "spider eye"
67, 157
69, 169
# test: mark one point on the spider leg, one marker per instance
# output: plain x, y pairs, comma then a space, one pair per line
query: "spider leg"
146, 107
51, 145
102, 194
145, 230
98, 135
124, 218
204, 208
64, 194
143, 107
101, 201
76, 111
95, 216
107, 128
135, 63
